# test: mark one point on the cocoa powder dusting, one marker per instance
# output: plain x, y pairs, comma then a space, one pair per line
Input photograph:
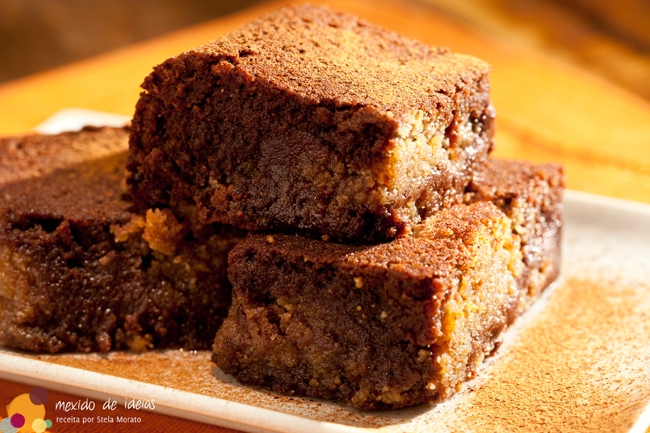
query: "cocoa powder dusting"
582, 366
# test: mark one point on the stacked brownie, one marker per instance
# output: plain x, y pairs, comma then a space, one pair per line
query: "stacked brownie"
398, 323
388, 251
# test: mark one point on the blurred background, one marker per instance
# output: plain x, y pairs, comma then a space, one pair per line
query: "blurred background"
610, 38
36, 35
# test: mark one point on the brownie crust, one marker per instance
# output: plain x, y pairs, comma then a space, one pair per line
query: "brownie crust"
312, 121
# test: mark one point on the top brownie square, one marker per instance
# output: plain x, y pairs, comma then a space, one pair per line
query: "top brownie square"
312, 121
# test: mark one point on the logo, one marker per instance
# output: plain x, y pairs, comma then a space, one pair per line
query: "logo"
26, 413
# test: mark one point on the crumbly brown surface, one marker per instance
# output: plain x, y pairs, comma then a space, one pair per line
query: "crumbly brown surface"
308, 120
30, 155
531, 196
388, 325
79, 271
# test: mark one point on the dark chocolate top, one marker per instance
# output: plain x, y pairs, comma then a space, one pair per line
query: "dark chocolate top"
30, 155
332, 57
85, 194
503, 177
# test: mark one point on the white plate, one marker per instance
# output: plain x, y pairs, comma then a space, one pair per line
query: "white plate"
590, 376
73, 119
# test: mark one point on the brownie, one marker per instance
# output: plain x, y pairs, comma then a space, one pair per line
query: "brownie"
79, 271
312, 121
400, 323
